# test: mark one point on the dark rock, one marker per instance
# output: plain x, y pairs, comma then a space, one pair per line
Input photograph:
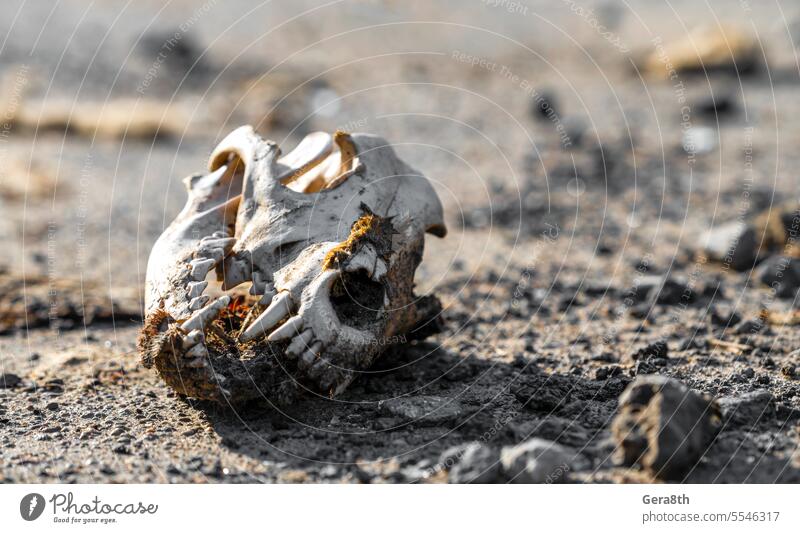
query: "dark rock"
780, 273
749, 327
543, 107
734, 243
725, 317
748, 408
9, 381
606, 372
717, 106
663, 426
656, 350
538, 461
477, 463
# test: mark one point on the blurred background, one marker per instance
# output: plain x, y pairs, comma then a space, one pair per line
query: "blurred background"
507, 106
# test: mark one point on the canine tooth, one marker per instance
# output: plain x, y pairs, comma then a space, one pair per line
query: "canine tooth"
200, 268
196, 288
199, 350
192, 339
292, 327
199, 302
197, 363
234, 272
300, 343
279, 309
200, 319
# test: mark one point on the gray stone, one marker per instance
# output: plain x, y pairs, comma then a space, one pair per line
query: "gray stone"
423, 410
733, 243
746, 408
538, 461
663, 426
9, 380
476, 463
781, 273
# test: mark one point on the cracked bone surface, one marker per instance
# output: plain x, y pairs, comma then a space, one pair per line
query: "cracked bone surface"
316, 253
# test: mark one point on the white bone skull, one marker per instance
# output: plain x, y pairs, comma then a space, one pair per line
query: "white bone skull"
328, 237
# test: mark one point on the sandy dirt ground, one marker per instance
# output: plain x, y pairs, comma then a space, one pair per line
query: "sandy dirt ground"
572, 251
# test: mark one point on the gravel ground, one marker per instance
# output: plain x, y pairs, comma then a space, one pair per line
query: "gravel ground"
565, 270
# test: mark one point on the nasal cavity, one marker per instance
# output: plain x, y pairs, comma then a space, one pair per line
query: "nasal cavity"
357, 299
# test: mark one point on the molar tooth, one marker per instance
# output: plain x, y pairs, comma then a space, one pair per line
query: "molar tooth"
192, 339
309, 356
234, 272
300, 343
268, 296
292, 327
199, 302
220, 234
203, 317
259, 284
200, 268
279, 309
198, 350
196, 288
197, 363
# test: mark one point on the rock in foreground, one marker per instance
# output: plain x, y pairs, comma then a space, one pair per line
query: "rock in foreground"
664, 426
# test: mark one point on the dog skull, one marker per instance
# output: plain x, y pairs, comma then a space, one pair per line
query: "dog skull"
328, 237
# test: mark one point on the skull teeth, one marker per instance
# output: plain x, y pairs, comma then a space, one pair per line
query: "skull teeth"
199, 350
267, 298
215, 248
200, 268
292, 327
198, 362
196, 288
309, 356
300, 343
202, 318
260, 285
192, 339
279, 309
199, 302
209, 252
235, 271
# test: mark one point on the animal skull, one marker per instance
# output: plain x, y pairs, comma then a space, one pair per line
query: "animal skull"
328, 238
